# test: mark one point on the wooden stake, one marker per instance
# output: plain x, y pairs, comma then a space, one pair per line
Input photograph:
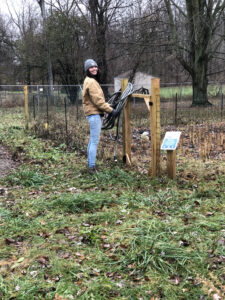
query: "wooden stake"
126, 126
181, 145
171, 163
26, 106
155, 126
199, 135
221, 139
206, 148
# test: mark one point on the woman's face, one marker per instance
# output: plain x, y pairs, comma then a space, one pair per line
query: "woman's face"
93, 70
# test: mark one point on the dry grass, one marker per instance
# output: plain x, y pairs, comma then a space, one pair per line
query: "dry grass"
12, 100
204, 141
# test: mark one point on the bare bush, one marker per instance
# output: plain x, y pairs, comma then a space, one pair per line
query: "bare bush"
13, 100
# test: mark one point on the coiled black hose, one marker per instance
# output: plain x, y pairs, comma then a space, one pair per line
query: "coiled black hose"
117, 102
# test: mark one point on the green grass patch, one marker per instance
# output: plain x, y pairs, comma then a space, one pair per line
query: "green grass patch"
117, 234
87, 202
27, 178
186, 91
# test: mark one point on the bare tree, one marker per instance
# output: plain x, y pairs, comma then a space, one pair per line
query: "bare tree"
7, 54
195, 47
49, 62
26, 44
67, 35
139, 30
99, 15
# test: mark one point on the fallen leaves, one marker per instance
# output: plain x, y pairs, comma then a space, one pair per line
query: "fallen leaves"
3, 191
33, 274
17, 241
9, 241
17, 264
58, 297
44, 234
65, 230
80, 257
43, 222
221, 241
184, 243
176, 280
74, 190
43, 260
7, 263
215, 290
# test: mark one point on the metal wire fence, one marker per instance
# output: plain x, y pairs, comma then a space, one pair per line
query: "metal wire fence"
57, 113
64, 100
176, 104
11, 96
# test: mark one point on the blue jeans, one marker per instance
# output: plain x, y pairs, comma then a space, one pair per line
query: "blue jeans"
95, 123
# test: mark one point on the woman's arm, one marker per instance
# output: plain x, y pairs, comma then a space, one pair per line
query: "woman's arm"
97, 96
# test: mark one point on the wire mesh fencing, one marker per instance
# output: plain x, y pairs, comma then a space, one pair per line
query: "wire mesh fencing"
177, 108
56, 112
203, 128
64, 102
11, 96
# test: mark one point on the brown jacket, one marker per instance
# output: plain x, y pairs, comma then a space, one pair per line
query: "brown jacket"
93, 98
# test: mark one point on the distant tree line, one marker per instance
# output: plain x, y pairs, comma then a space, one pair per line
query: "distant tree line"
47, 41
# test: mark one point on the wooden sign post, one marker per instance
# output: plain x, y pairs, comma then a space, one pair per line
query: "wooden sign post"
171, 163
169, 144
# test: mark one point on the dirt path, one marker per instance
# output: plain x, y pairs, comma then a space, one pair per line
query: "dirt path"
6, 162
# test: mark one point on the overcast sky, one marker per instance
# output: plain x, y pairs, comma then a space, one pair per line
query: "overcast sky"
3, 5
17, 4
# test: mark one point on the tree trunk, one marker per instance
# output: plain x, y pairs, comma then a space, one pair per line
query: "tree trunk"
200, 84
28, 74
49, 63
72, 92
195, 45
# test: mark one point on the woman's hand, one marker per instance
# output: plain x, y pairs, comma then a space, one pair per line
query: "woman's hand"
114, 113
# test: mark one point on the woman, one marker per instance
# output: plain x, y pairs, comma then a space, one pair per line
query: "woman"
94, 106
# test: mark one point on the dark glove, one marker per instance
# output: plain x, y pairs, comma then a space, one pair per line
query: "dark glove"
114, 113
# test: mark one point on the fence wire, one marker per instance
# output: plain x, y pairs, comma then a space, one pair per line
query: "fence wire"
60, 102
176, 105
11, 96
57, 113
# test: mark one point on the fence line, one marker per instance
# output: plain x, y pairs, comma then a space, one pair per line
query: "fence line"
175, 102
60, 117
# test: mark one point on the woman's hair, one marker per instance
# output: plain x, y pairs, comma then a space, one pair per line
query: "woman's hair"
96, 77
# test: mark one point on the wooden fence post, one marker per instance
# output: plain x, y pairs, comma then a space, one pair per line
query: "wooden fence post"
126, 126
155, 126
26, 105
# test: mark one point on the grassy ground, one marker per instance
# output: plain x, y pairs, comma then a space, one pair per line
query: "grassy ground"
66, 234
186, 91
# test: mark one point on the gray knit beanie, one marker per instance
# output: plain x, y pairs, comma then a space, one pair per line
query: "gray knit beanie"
89, 63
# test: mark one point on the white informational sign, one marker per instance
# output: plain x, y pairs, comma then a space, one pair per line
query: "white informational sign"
171, 140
